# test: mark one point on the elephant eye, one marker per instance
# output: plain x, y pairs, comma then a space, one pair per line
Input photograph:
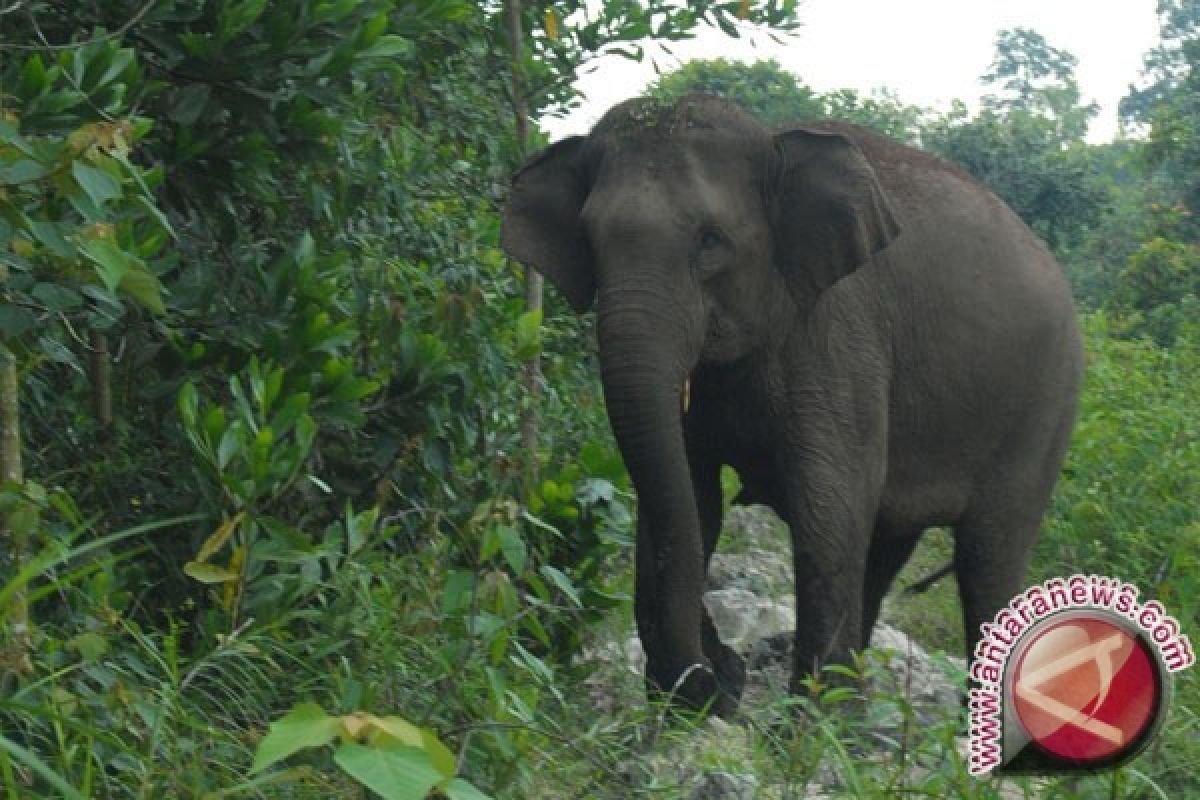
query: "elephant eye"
713, 250
710, 238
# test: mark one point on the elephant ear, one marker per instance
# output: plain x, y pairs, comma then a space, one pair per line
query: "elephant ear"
541, 226
830, 215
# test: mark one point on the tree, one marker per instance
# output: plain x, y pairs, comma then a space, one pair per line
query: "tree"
764, 88
1170, 108
1036, 78
778, 97
1168, 65
1027, 142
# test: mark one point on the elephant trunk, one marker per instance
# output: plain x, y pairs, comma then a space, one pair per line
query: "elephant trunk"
645, 363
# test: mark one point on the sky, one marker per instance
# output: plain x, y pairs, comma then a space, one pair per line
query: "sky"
928, 52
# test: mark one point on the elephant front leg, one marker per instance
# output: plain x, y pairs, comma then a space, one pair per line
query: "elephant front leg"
671, 624
829, 537
828, 612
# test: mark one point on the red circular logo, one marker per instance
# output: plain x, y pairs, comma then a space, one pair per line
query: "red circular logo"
1086, 689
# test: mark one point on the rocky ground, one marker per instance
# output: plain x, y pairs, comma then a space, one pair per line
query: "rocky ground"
751, 602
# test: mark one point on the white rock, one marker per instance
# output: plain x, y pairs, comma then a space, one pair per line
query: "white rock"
742, 617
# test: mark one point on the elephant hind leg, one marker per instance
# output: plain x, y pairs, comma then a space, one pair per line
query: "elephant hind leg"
890, 550
728, 666
994, 538
991, 553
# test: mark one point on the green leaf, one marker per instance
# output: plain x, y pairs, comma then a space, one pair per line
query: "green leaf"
512, 546
55, 297
10, 135
209, 573
143, 286
443, 760
99, 185
189, 103
390, 46
236, 17
403, 773
57, 102
59, 353
458, 789
37, 766
111, 261
50, 234
23, 171
121, 60
15, 321
529, 338
33, 78
306, 725
559, 579
89, 644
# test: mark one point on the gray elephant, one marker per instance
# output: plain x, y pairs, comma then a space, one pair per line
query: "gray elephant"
869, 337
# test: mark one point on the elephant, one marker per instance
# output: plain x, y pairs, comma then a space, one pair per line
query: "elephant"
870, 338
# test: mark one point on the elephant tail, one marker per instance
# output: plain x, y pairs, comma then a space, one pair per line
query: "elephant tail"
926, 583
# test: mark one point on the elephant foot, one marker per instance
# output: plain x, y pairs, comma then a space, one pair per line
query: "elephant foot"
730, 670
831, 677
703, 689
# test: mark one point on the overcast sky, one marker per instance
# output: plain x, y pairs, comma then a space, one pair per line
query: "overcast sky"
927, 51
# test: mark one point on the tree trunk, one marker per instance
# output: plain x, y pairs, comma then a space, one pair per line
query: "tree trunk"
100, 367
13, 537
532, 372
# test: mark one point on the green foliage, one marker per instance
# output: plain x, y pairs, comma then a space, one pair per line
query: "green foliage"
389, 755
1049, 181
1161, 286
557, 50
777, 97
1124, 504
1027, 142
763, 88
1038, 79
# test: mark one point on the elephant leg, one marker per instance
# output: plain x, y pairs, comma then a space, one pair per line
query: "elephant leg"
829, 555
729, 667
832, 511
991, 552
890, 550
697, 686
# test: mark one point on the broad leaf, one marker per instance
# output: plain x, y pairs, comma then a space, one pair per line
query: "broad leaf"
403, 773
143, 286
99, 185
390, 46
306, 725
559, 579
14, 321
22, 172
111, 262
458, 789
56, 298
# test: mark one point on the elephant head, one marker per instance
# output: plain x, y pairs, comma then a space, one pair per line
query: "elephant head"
694, 231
